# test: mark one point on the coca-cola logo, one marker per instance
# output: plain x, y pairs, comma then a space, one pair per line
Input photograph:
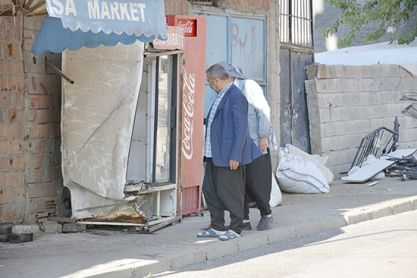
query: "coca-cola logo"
188, 27
188, 115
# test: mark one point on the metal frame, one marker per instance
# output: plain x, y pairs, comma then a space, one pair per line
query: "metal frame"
296, 37
149, 227
410, 110
151, 120
379, 142
298, 20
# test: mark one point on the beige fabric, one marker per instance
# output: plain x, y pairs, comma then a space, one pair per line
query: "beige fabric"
97, 119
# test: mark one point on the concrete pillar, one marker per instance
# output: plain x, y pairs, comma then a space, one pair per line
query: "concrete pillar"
273, 50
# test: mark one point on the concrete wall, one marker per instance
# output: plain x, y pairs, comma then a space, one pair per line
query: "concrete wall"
30, 175
345, 103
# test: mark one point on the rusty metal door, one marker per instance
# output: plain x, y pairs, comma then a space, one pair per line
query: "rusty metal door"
296, 53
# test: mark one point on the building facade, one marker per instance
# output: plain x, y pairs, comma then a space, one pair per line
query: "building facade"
31, 185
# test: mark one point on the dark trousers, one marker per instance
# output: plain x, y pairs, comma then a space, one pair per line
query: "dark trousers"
258, 175
224, 189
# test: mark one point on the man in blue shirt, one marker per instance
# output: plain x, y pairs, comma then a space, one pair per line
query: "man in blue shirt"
227, 148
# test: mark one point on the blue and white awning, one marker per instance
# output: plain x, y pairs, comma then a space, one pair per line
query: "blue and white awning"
133, 17
73, 24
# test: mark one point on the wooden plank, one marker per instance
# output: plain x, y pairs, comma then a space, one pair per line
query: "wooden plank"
367, 172
160, 220
167, 222
62, 219
111, 223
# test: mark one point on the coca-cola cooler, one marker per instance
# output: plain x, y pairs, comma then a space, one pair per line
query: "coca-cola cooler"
190, 164
165, 164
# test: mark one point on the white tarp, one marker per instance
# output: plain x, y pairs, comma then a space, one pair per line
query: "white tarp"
377, 53
97, 119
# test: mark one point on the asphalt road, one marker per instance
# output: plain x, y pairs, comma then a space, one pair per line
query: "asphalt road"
385, 247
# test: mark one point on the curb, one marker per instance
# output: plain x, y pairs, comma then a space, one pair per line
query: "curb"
268, 237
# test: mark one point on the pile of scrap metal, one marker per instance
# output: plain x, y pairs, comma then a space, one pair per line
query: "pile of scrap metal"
378, 155
405, 167
145, 208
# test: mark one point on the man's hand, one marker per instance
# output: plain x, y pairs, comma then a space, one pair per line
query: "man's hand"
263, 144
233, 164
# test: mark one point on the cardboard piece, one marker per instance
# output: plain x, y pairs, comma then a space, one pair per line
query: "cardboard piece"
367, 172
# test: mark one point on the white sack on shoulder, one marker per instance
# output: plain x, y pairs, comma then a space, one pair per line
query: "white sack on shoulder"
298, 175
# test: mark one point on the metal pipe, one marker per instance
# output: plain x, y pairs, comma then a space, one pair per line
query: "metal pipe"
58, 71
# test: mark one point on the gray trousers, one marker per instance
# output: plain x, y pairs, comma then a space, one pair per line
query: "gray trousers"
224, 189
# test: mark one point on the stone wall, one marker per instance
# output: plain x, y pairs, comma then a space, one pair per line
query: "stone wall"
30, 175
345, 103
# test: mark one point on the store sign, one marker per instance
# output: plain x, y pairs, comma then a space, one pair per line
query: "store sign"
133, 17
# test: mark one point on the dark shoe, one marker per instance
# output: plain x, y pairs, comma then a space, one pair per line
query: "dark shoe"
246, 226
265, 223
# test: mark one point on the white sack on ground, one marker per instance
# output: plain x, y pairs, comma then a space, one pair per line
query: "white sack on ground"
298, 175
317, 160
276, 195
97, 118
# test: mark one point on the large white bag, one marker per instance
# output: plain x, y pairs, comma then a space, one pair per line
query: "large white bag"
276, 195
316, 159
298, 175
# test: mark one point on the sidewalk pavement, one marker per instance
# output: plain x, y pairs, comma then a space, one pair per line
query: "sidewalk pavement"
100, 253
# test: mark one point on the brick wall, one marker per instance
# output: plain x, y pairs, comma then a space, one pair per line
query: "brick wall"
12, 82
345, 103
177, 7
30, 176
